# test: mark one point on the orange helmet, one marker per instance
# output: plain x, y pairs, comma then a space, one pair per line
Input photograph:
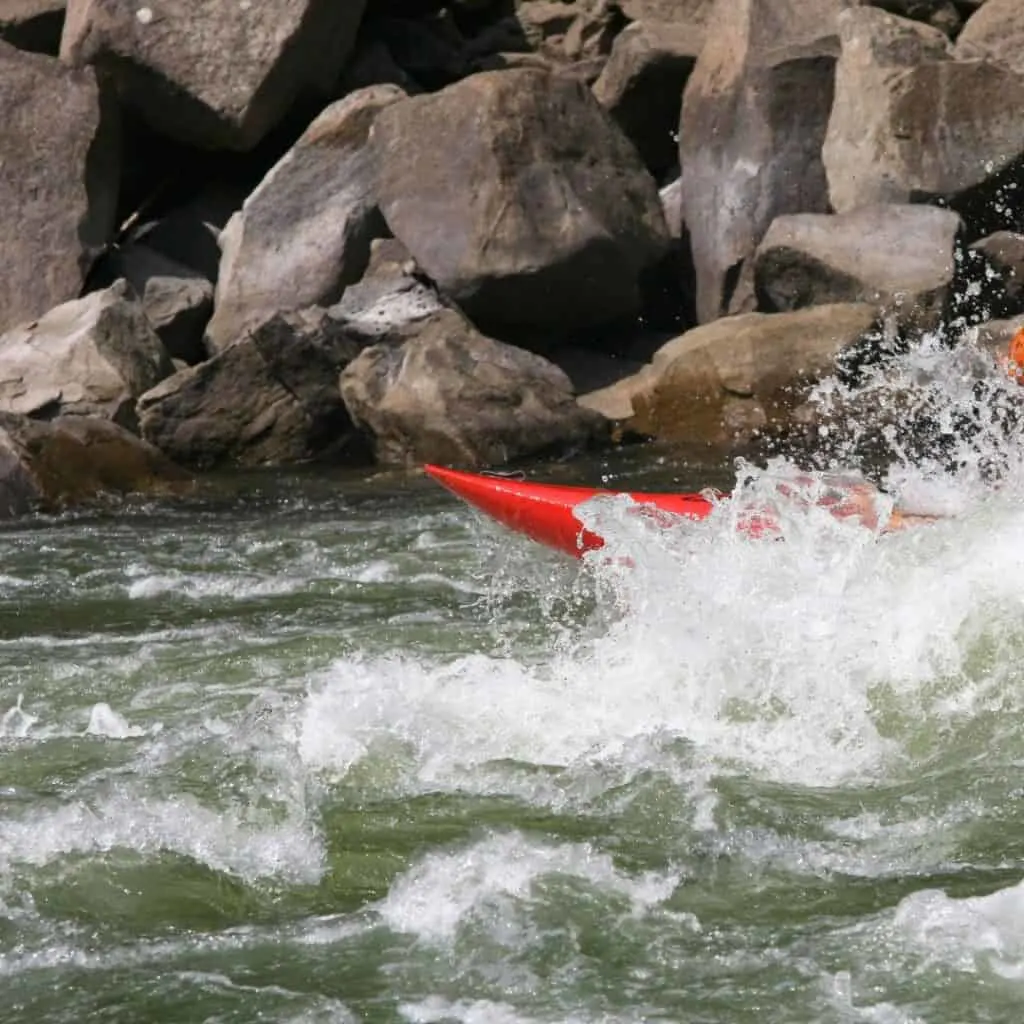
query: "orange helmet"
1015, 357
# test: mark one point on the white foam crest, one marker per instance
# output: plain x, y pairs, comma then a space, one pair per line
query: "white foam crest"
105, 721
967, 933
223, 840
436, 1009
438, 895
196, 586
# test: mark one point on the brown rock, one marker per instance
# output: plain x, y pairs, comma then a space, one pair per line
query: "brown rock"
642, 84
73, 459
691, 13
90, 357
58, 181
940, 14
485, 184
449, 394
994, 32
754, 116
898, 257
305, 232
909, 122
219, 75
727, 382
270, 399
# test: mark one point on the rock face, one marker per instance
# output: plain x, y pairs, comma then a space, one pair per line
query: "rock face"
898, 257
213, 74
73, 459
724, 383
32, 24
449, 394
517, 194
641, 86
305, 233
270, 398
93, 357
754, 116
58, 181
994, 32
909, 122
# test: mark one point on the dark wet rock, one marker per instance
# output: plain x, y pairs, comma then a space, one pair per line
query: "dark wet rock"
450, 394
271, 398
940, 14
58, 181
641, 86
47, 466
901, 258
1003, 274
218, 75
485, 184
90, 357
726, 383
909, 122
304, 234
755, 111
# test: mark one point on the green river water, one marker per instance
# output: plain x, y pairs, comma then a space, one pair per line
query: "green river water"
325, 749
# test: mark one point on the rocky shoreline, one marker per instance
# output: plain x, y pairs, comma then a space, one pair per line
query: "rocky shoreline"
383, 232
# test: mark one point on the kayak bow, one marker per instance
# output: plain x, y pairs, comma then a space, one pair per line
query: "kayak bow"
546, 513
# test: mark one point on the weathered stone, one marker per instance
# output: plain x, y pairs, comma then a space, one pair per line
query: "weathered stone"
449, 394
902, 258
725, 383
485, 185
691, 13
672, 206
93, 356
642, 87
32, 24
271, 398
305, 232
754, 116
385, 306
909, 122
46, 466
58, 181
940, 14
994, 32
430, 50
176, 300
219, 75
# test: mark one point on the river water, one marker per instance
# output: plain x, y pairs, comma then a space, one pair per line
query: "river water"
326, 749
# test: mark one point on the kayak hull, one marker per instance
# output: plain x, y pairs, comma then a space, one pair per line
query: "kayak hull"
546, 513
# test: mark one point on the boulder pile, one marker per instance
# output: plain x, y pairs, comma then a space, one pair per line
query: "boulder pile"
394, 231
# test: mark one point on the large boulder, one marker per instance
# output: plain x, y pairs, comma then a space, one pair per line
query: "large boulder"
753, 121
450, 394
994, 32
219, 75
305, 232
62, 462
518, 195
726, 383
90, 357
899, 257
641, 86
58, 181
270, 399
910, 123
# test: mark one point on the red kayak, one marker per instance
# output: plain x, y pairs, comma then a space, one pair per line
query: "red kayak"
547, 512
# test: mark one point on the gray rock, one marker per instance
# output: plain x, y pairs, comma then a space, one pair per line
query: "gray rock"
270, 399
902, 258
219, 75
449, 394
58, 181
32, 24
994, 32
305, 232
385, 306
484, 184
93, 356
754, 116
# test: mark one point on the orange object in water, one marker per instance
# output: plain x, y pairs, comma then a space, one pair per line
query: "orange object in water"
1015, 357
